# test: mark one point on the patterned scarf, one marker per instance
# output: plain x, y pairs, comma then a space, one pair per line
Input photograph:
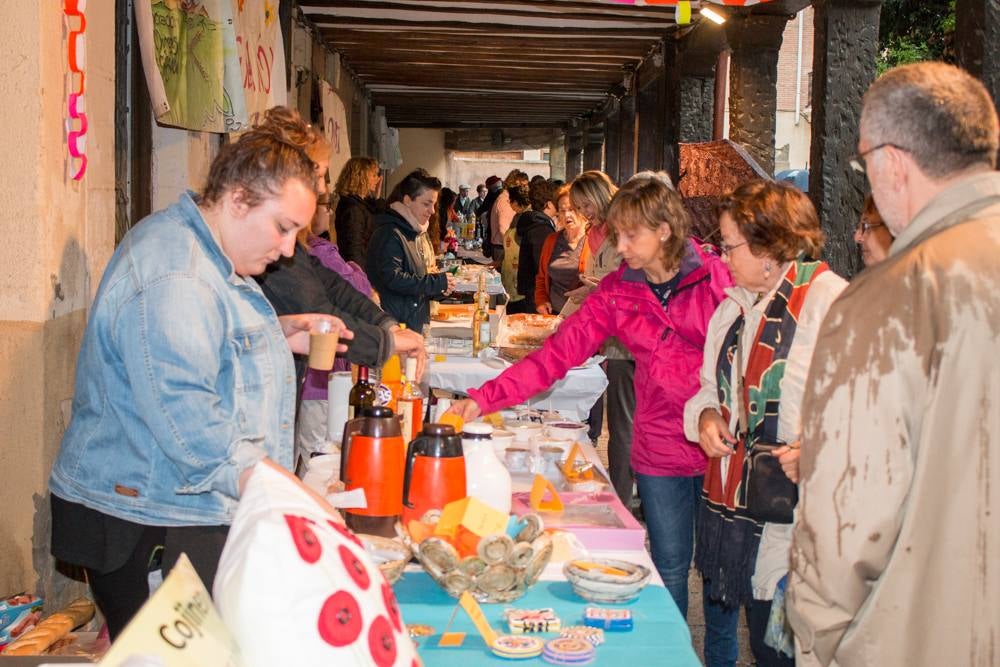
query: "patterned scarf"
727, 539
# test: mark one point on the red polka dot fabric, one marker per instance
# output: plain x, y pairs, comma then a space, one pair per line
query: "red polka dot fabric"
295, 587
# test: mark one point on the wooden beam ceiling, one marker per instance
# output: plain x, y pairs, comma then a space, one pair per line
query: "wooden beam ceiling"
489, 63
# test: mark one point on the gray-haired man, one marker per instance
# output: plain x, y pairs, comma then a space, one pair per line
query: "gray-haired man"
896, 552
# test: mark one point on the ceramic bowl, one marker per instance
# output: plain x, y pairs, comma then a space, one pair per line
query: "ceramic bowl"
603, 586
565, 429
523, 431
391, 556
501, 441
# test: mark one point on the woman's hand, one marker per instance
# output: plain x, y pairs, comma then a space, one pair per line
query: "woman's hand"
588, 285
713, 434
297, 327
467, 409
452, 281
788, 457
409, 343
544, 309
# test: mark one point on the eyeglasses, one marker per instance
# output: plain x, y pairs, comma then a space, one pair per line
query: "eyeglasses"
726, 249
865, 227
857, 161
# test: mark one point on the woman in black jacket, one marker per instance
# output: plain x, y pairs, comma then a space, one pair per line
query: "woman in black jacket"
353, 221
395, 265
533, 227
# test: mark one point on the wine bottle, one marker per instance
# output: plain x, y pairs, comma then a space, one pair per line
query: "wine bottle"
362, 394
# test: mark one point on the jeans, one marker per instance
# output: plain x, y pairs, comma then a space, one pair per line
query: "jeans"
669, 505
721, 645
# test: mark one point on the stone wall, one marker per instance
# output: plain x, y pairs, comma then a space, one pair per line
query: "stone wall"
58, 235
697, 107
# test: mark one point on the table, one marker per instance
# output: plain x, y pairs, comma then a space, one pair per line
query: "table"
659, 629
573, 396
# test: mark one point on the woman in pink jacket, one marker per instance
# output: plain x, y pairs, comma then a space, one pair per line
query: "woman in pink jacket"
658, 304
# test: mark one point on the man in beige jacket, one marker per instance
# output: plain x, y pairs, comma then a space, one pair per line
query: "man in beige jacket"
896, 549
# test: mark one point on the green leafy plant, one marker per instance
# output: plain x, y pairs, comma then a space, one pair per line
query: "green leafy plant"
915, 30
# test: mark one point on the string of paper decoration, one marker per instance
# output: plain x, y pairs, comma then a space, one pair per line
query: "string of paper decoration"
76, 121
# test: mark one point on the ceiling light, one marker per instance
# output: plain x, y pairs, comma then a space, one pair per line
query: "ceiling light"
713, 15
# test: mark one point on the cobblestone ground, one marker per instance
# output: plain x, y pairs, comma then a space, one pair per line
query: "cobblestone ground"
696, 618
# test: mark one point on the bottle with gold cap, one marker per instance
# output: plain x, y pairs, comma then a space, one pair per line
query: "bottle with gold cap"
410, 403
481, 317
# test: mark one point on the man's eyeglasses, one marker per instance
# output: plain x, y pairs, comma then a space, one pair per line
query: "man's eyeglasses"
726, 249
865, 227
857, 161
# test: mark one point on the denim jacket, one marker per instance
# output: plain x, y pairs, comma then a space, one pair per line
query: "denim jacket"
184, 380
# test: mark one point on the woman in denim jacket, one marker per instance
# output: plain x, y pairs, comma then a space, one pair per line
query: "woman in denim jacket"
185, 377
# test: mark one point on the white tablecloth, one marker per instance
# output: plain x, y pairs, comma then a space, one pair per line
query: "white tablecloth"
573, 396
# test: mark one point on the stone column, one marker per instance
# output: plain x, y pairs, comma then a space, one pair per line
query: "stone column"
671, 110
977, 41
593, 149
557, 156
612, 143
574, 152
627, 147
846, 44
697, 107
755, 41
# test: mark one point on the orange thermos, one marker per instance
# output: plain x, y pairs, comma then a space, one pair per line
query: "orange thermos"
373, 457
435, 471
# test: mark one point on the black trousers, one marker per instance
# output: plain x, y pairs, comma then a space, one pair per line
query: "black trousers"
620, 401
121, 593
758, 612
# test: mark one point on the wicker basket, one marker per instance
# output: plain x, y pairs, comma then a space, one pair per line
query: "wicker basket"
390, 555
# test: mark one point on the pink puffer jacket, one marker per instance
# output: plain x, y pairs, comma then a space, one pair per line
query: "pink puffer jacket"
667, 346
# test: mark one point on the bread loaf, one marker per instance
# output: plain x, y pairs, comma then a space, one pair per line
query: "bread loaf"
52, 629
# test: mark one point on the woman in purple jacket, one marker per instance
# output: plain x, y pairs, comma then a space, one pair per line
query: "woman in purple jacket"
658, 304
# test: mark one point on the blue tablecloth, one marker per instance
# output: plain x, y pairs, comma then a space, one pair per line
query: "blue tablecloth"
660, 636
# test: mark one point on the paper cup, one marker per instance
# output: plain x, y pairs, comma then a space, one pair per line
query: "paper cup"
322, 350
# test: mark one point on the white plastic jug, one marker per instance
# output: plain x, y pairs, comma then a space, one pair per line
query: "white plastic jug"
486, 477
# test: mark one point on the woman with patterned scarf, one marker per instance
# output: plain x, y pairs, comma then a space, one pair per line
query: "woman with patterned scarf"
757, 353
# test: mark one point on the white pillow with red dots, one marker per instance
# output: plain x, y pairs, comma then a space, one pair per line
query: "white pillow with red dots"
295, 587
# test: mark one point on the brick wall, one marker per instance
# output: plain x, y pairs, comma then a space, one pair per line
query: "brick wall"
786, 62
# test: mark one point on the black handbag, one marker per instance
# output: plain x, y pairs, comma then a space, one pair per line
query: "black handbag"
770, 496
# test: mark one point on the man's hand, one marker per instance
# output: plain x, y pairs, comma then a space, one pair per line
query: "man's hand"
409, 343
297, 327
714, 436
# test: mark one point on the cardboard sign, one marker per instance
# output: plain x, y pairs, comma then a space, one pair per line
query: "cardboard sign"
178, 624
475, 612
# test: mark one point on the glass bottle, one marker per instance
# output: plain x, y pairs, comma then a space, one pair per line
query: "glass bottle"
481, 317
362, 394
410, 403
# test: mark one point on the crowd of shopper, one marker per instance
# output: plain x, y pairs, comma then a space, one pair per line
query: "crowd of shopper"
813, 447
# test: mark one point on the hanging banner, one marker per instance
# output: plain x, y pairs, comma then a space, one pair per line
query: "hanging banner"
261, 55
183, 56
211, 65
335, 129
